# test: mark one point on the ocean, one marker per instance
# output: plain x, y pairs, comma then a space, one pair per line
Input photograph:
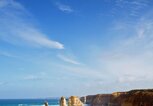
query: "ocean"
28, 102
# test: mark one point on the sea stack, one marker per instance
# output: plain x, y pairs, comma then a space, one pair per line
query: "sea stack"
46, 103
63, 101
74, 101
83, 99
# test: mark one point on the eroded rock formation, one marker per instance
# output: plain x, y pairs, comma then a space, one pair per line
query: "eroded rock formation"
131, 98
83, 99
74, 101
46, 103
63, 101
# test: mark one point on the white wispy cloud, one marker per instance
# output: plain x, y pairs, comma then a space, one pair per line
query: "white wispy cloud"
64, 8
17, 27
83, 72
127, 62
35, 76
130, 60
68, 59
32, 77
132, 8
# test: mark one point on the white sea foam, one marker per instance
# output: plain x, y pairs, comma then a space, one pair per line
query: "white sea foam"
34, 105
42, 105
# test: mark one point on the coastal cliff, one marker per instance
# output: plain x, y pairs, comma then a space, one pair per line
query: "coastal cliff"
130, 98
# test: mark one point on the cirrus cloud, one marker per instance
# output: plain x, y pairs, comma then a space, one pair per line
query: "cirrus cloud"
67, 59
17, 27
64, 8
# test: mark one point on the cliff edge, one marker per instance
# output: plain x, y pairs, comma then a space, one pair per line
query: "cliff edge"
137, 97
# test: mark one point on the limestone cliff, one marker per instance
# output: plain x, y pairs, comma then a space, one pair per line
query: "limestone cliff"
74, 101
101, 100
138, 98
130, 98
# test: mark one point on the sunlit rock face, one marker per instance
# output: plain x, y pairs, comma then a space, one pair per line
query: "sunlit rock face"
117, 94
74, 101
63, 101
130, 98
101, 100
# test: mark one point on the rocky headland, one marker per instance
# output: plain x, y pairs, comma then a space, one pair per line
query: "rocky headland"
130, 98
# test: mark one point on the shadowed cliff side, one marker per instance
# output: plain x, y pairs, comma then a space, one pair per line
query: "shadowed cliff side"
130, 98
138, 98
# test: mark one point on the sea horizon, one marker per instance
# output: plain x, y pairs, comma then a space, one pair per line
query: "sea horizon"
29, 102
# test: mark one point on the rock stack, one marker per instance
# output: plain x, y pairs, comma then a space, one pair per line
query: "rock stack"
63, 101
46, 103
83, 99
72, 101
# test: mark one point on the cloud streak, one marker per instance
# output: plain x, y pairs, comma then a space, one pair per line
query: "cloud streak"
17, 27
32, 78
67, 59
64, 8
133, 8
35, 77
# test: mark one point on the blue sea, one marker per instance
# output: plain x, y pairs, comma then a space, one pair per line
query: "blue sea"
28, 102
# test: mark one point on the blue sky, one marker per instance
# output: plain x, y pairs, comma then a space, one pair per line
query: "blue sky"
51, 48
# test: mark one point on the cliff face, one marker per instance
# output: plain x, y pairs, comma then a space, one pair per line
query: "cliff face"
139, 98
101, 100
89, 99
131, 98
